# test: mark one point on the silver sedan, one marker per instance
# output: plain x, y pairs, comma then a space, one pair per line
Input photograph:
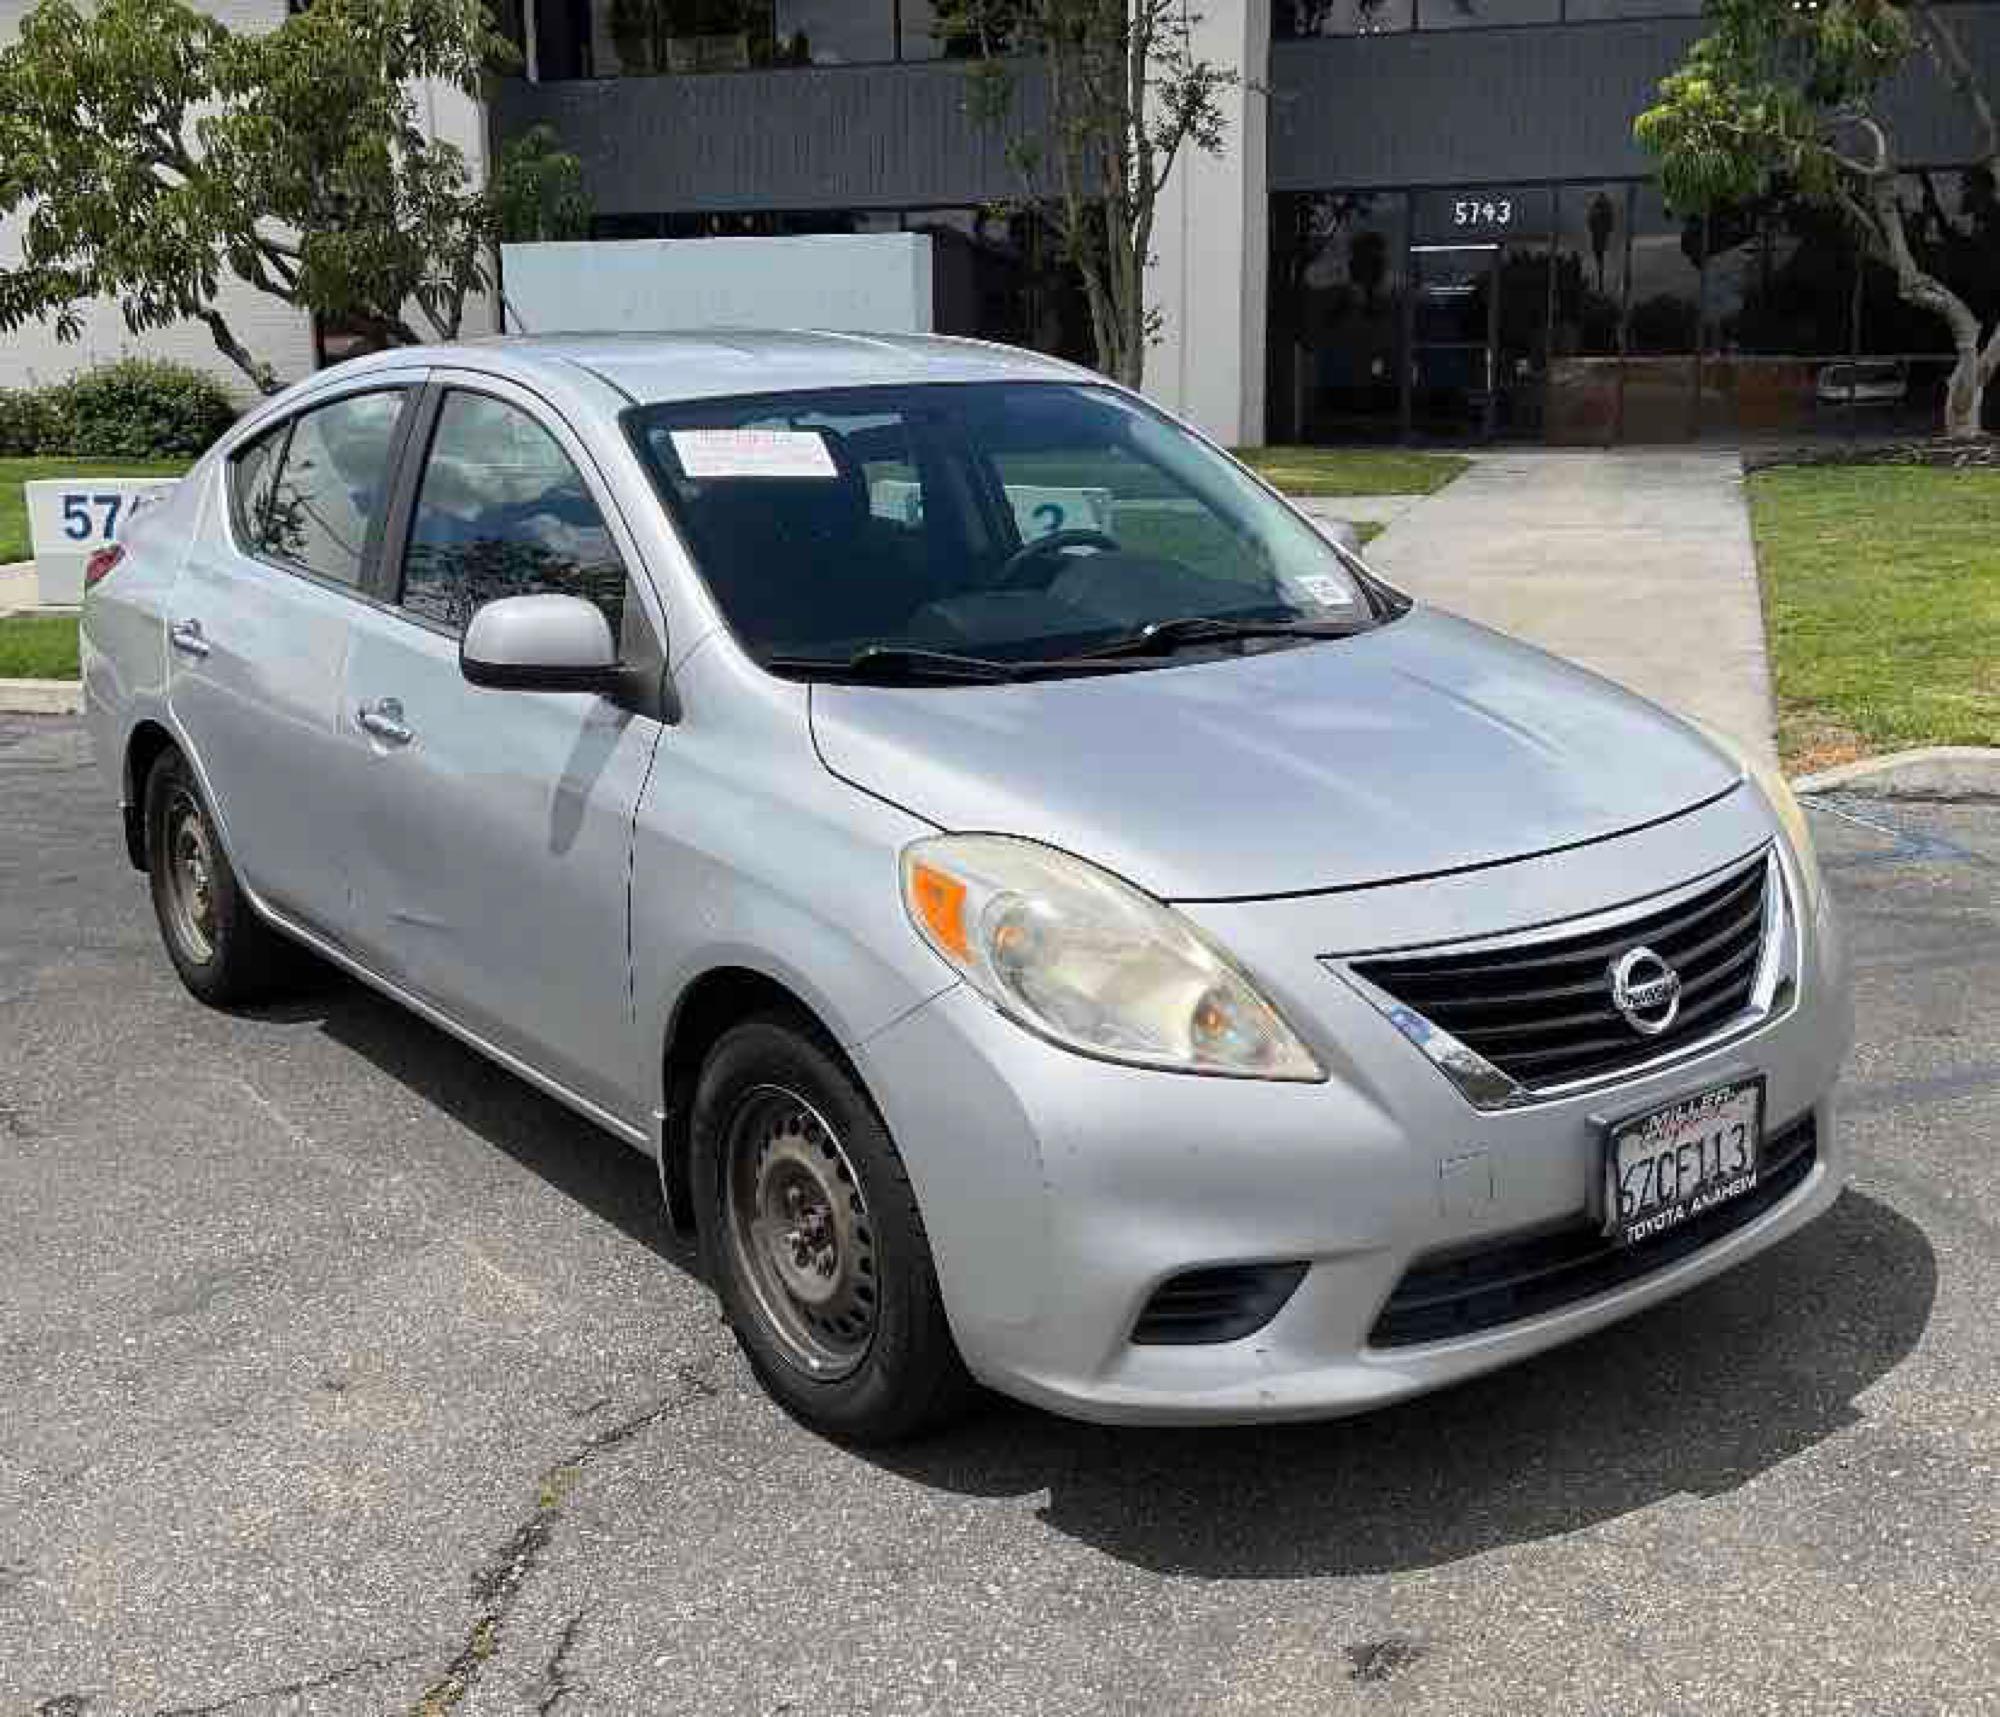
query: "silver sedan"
1056, 919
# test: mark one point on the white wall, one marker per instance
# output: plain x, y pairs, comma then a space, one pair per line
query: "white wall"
273, 331
861, 283
1211, 245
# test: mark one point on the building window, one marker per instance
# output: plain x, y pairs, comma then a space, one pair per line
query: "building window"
1591, 11
1483, 14
1334, 339
1291, 19
1587, 313
652, 38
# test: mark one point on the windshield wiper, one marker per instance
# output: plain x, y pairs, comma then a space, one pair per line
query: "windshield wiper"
1163, 637
891, 662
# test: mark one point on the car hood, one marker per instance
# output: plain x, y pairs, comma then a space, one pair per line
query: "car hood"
1427, 745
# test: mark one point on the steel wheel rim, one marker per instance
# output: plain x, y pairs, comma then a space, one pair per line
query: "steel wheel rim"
190, 861
799, 1231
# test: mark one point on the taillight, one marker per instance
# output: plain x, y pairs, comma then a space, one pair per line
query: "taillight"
100, 565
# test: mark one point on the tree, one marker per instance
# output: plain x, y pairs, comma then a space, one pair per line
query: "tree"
1126, 96
537, 190
154, 152
1786, 95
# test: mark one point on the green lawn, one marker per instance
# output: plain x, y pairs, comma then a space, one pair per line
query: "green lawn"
1352, 470
15, 472
1882, 599
38, 647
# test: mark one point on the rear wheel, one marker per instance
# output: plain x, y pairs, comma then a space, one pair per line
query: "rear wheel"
812, 1237
224, 952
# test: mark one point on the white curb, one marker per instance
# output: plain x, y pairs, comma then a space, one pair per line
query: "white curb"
41, 697
1945, 772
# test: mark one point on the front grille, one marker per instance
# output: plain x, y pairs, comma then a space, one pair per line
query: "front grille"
1219, 1303
1479, 1288
1541, 1011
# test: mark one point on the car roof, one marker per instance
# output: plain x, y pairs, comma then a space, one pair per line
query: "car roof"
655, 368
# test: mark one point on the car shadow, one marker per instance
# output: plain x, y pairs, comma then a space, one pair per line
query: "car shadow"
1696, 1397
577, 1158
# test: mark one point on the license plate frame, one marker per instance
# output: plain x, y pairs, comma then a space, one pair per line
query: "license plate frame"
1630, 1142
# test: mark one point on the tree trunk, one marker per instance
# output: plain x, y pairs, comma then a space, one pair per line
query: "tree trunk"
261, 376
1965, 393
1965, 398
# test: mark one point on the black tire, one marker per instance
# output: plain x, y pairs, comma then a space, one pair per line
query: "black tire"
774, 1079
225, 953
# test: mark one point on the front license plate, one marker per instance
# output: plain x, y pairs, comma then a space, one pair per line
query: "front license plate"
1670, 1164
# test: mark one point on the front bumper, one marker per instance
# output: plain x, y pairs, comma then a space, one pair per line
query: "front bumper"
1060, 1192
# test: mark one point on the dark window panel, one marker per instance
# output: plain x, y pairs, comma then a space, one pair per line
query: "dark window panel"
649, 38
1334, 341
1479, 14
1293, 19
1586, 312
1589, 11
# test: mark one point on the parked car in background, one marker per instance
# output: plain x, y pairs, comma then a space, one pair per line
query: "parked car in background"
1056, 919
1863, 382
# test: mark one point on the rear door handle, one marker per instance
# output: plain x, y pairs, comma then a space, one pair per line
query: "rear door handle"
384, 719
185, 636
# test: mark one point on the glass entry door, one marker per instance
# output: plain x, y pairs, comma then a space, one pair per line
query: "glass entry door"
1452, 305
1479, 339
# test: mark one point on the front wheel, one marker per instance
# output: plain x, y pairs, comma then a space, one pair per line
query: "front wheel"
813, 1240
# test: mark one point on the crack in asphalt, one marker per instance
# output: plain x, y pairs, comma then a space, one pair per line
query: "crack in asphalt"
290, 1689
496, 1586
556, 1684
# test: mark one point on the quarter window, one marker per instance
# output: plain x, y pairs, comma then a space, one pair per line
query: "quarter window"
256, 472
325, 506
503, 512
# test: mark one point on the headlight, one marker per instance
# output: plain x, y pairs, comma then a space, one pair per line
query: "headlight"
1090, 962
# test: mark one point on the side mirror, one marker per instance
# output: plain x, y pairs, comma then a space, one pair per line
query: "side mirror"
540, 644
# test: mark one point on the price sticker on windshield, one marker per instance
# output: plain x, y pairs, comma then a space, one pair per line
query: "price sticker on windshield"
707, 453
1327, 592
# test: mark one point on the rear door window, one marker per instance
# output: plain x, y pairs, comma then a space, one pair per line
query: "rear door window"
324, 511
503, 512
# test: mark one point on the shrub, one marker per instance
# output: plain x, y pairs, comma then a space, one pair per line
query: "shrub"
137, 408
27, 424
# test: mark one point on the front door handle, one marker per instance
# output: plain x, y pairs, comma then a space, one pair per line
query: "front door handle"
185, 636
384, 719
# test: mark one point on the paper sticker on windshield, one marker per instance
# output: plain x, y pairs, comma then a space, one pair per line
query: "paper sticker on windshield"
1327, 592
753, 453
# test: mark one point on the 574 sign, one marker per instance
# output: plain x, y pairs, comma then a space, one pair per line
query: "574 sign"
93, 517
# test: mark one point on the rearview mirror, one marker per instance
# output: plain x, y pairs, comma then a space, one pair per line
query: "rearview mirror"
540, 644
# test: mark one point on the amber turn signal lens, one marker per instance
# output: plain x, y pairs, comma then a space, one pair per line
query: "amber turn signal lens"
940, 902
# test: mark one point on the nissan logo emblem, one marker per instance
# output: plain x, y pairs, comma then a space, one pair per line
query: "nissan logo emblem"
1645, 990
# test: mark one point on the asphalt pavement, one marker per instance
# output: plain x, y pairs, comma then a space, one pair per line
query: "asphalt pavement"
341, 1372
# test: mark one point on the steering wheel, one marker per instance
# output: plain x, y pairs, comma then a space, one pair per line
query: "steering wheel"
1012, 574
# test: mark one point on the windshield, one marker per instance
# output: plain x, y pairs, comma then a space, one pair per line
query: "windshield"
1007, 522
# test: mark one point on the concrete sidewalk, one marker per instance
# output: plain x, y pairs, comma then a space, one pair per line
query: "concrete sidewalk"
1635, 563
17, 586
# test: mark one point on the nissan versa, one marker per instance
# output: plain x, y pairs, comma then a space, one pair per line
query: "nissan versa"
1056, 919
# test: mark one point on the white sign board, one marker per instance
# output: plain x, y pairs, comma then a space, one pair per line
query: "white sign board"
1039, 509
71, 518
861, 283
